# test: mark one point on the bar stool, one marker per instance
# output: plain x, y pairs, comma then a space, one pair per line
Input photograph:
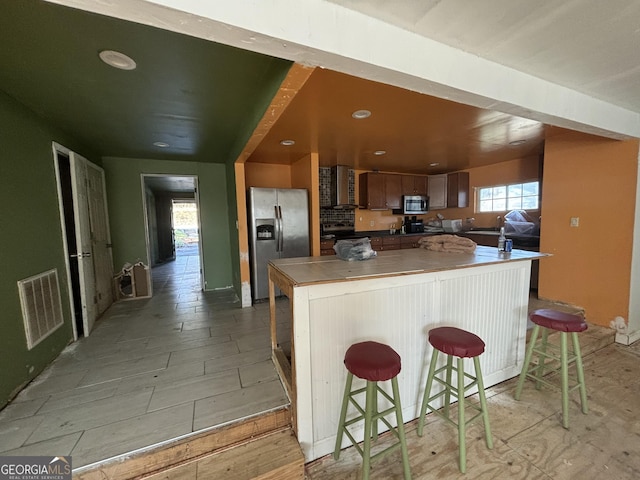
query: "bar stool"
564, 323
373, 362
455, 342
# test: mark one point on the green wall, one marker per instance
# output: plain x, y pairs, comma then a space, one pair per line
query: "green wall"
124, 196
32, 238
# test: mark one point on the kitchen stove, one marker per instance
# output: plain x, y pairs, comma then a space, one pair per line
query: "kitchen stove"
337, 230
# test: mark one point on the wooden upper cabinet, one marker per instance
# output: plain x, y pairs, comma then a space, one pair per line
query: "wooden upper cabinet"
384, 191
372, 192
458, 190
420, 183
449, 190
393, 190
414, 185
437, 191
380, 191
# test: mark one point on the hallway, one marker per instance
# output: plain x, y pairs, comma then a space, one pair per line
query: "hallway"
152, 370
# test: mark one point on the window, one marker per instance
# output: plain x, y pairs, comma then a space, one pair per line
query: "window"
517, 196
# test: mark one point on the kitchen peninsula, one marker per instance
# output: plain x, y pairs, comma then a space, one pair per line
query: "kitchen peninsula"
394, 298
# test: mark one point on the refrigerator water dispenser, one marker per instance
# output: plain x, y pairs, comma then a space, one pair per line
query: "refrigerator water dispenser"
265, 229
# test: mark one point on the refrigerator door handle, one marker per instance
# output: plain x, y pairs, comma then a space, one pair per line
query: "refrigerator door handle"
277, 227
280, 228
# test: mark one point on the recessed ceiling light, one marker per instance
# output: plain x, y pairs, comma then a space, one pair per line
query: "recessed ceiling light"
434, 164
117, 60
161, 144
517, 142
379, 152
360, 114
287, 143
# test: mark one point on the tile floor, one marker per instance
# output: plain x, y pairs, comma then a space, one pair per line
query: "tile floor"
152, 370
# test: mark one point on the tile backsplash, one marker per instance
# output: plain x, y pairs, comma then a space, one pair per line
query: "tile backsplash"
329, 215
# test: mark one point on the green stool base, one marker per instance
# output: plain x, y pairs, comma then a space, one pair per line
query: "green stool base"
561, 354
371, 416
458, 391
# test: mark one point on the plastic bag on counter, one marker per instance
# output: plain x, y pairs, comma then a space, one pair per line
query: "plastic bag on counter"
356, 249
519, 222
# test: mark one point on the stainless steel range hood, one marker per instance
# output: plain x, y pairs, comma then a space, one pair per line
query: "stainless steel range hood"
340, 198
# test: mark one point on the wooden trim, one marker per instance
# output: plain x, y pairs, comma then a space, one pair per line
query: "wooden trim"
282, 281
185, 450
284, 366
291, 85
284, 369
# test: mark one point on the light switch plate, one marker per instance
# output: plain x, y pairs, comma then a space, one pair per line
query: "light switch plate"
575, 221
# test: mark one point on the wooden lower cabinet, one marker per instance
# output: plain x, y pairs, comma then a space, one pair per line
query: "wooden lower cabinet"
410, 242
326, 247
385, 243
396, 242
390, 243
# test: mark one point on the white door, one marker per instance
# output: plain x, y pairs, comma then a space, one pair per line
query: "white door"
100, 237
80, 183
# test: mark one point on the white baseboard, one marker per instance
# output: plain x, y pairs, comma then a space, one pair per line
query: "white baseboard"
628, 338
246, 295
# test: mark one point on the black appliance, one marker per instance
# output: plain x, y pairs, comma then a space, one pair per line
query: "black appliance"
413, 225
337, 230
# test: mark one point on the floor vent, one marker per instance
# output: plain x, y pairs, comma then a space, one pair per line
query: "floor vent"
41, 306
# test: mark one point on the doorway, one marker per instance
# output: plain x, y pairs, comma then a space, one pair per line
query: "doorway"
63, 163
172, 221
186, 230
86, 237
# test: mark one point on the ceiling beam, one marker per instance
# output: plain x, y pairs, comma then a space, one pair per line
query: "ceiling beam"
320, 33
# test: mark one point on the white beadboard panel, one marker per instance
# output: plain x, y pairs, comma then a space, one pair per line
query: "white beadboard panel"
490, 301
355, 318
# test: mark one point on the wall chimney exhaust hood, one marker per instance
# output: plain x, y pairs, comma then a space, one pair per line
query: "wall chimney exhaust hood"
340, 188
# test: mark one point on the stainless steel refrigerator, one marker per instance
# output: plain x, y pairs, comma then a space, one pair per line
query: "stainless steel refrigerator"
278, 228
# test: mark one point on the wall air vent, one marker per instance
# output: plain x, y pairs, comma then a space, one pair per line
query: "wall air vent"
41, 306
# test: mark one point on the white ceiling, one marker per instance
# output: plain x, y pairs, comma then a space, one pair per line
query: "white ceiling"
591, 46
566, 63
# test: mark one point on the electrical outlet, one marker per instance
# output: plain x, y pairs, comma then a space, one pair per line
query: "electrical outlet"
575, 221
372, 223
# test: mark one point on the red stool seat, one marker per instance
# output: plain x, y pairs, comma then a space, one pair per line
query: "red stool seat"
559, 321
372, 361
456, 342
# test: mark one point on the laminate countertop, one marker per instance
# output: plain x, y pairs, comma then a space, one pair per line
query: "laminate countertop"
329, 269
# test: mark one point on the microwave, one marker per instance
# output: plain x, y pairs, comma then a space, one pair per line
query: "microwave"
415, 204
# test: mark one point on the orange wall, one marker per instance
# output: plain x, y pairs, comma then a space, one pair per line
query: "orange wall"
519, 170
305, 173
594, 179
266, 175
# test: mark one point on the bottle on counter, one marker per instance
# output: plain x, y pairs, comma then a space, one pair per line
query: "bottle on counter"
501, 240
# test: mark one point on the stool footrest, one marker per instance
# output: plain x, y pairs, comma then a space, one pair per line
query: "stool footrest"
386, 451
442, 414
532, 376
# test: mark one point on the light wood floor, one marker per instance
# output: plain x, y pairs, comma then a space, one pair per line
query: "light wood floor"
529, 441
